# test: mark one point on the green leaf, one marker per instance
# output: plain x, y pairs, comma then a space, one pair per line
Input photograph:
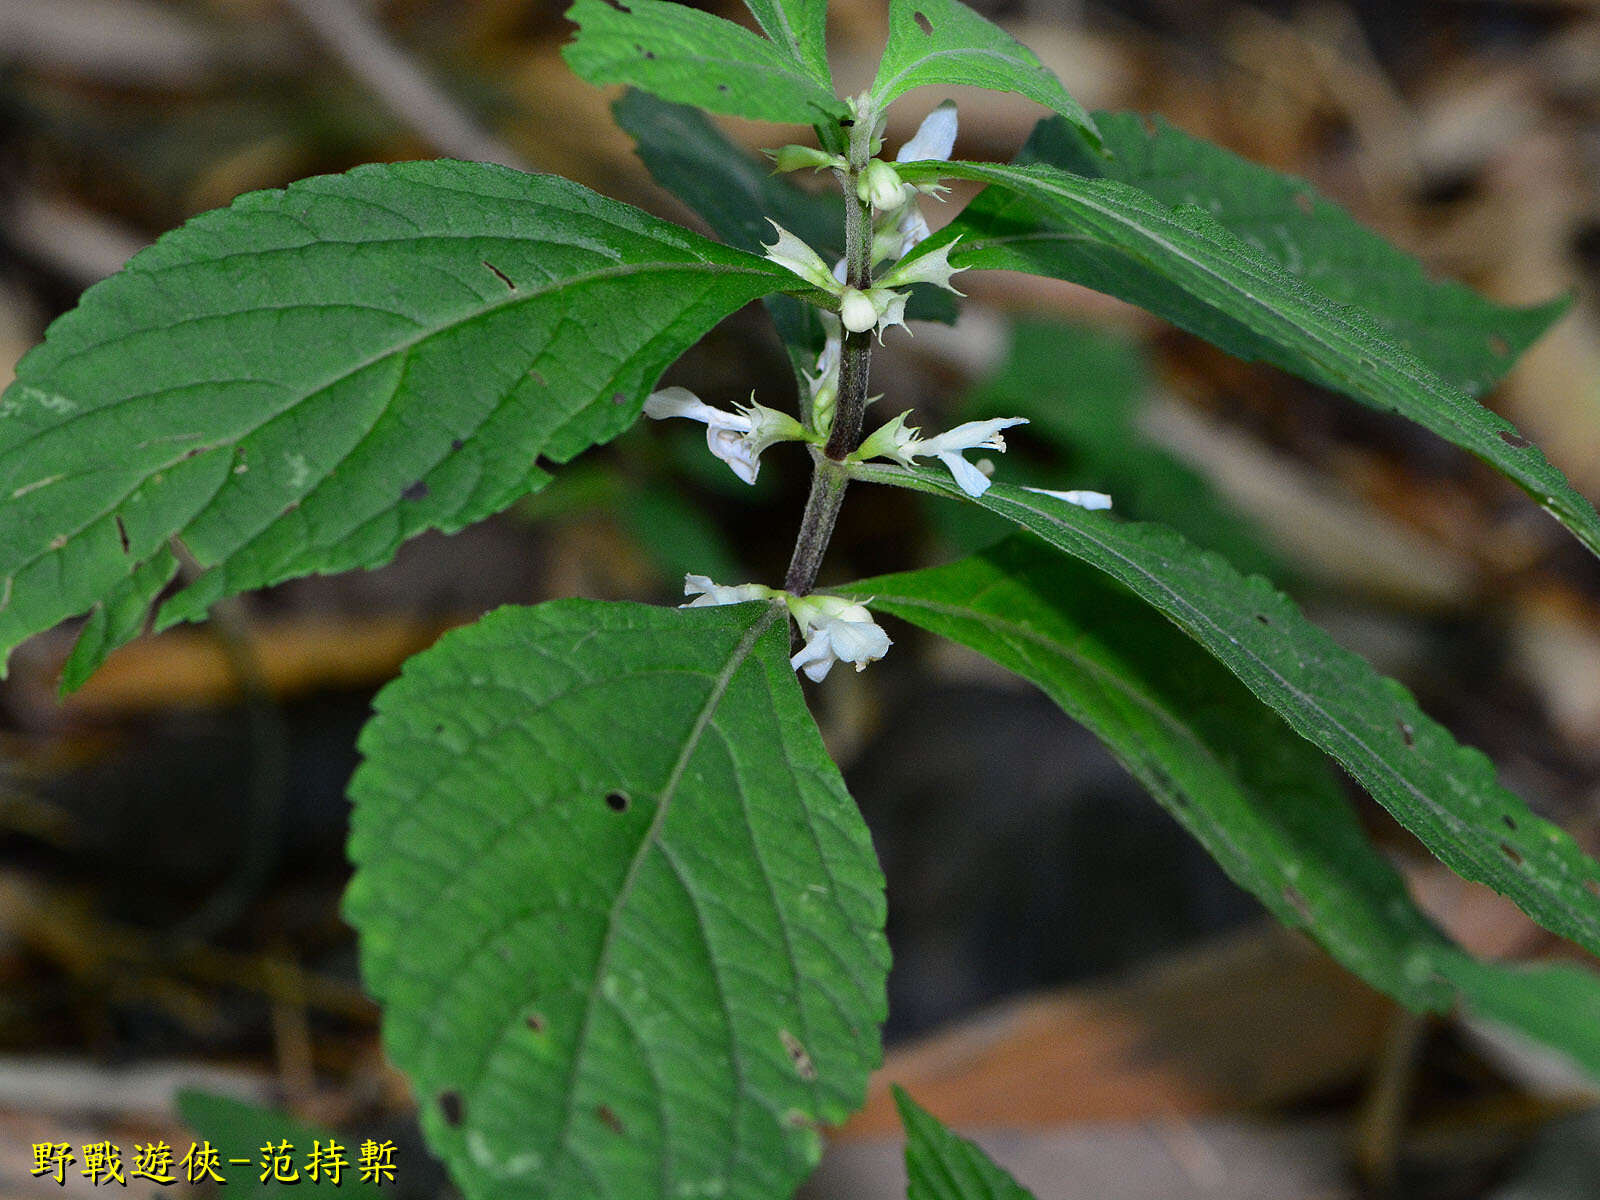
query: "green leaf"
680, 53
305, 379
1261, 800
945, 42
624, 920
1182, 265
240, 1130
1444, 793
801, 26
1469, 340
942, 1166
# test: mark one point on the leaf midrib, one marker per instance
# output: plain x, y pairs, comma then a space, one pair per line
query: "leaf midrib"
719, 688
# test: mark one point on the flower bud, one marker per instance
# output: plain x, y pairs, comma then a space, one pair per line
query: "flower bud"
857, 313
798, 158
880, 185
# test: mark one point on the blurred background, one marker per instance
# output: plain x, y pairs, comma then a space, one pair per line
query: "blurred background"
1074, 981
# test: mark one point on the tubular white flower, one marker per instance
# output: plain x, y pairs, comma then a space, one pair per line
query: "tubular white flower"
836, 630
1090, 500
902, 443
708, 594
935, 138
738, 439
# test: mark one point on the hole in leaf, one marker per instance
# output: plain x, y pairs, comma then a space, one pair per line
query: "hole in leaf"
1498, 345
609, 1119
1262, 617
722, 87
618, 398
414, 491
923, 23
617, 801
450, 1107
1511, 822
122, 531
803, 1065
1406, 734
500, 275
1511, 854
1297, 901
456, 443
535, 1022
1515, 440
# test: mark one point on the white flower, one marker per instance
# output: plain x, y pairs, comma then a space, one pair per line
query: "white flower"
935, 138
901, 227
1089, 500
707, 594
738, 439
836, 630
902, 443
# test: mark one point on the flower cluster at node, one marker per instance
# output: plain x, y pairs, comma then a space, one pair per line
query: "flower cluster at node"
834, 629
904, 444
897, 225
737, 438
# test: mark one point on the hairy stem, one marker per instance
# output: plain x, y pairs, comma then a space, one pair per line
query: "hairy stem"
828, 478
828, 481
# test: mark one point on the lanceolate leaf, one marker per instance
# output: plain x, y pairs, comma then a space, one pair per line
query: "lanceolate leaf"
301, 381
680, 53
624, 920
945, 42
799, 26
1469, 340
1444, 793
1182, 265
942, 1166
1260, 799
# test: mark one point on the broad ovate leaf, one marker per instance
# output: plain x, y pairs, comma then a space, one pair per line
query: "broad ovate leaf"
1444, 793
623, 918
944, 42
1470, 341
941, 1165
692, 57
1182, 264
301, 381
1260, 799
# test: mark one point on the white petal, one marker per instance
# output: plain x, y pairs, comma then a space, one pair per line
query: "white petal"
1089, 500
734, 448
815, 658
857, 641
934, 138
973, 435
677, 402
971, 480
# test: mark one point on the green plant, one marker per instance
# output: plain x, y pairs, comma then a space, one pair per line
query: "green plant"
624, 920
